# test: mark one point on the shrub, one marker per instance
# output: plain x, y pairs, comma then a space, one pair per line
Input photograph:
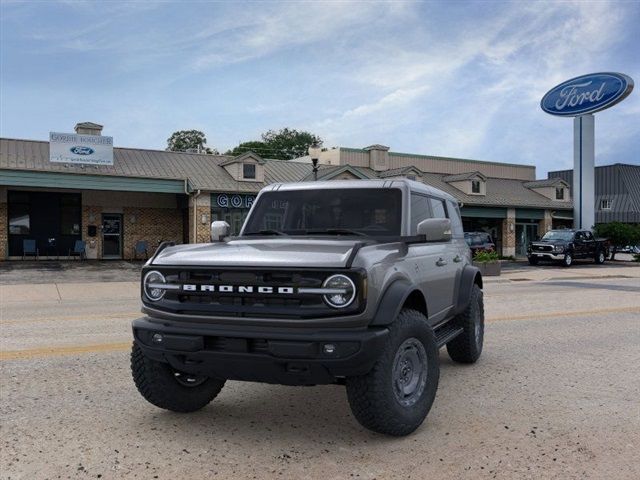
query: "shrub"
486, 257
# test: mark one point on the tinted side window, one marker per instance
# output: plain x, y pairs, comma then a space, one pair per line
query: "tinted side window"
420, 210
456, 221
438, 209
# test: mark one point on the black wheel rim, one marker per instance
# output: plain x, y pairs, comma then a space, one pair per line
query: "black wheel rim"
409, 372
188, 379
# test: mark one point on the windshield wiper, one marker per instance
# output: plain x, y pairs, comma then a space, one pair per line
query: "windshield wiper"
337, 231
265, 232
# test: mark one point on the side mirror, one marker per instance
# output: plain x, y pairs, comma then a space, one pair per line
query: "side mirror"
219, 230
435, 229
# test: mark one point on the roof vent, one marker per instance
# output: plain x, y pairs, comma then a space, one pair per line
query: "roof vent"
88, 128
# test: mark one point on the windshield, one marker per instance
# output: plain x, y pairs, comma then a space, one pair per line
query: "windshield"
558, 235
358, 211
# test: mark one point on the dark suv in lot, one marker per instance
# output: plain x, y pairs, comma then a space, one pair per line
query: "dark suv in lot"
479, 242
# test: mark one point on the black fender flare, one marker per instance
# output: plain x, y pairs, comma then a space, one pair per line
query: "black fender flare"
470, 276
392, 301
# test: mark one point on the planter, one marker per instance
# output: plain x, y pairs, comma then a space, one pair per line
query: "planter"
488, 269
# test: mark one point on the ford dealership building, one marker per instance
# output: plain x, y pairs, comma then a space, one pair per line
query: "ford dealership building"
78, 187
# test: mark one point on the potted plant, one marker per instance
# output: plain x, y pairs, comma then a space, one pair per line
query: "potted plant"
488, 263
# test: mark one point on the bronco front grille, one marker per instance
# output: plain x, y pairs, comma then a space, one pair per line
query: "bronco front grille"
255, 293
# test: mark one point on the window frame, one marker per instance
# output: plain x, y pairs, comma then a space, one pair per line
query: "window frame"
244, 173
477, 182
559, 193
607, 202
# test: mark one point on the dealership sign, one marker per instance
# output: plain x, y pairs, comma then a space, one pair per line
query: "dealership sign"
80, 149
224, 200
587, 94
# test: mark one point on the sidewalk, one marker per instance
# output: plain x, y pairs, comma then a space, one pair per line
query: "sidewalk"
17, 272
521, 271
68, 292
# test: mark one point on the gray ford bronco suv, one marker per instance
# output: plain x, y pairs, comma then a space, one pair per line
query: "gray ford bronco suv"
344, 282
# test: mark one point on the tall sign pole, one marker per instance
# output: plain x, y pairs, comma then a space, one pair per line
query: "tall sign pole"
580, 98
584, 215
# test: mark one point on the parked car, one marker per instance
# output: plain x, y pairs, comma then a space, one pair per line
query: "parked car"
328, 283
479, 242
564, 246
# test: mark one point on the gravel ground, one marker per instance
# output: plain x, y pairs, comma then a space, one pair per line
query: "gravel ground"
555, 395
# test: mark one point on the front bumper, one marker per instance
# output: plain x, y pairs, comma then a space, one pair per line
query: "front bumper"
547, 256
282, 356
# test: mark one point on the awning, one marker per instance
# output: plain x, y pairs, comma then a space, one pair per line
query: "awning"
24, 178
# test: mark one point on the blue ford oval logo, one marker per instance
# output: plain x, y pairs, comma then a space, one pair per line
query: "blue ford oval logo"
587, 94
82, 150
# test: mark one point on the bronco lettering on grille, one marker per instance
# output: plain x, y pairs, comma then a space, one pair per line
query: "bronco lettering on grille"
237, 289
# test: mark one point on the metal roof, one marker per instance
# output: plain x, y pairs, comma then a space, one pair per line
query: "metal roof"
547, 182
205, 172
202, 171
464, 176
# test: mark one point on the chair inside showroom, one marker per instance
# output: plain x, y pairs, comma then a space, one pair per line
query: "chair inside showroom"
79, 249
29, 248
141, 247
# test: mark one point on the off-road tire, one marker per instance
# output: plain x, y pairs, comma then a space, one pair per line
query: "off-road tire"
532, 260
467, 347
157, 384
567, 261
600, 257
372, 396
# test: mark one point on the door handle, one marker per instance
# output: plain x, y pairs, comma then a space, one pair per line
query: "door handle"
457, 259
441, 262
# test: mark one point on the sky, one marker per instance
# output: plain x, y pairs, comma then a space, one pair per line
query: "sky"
451, 78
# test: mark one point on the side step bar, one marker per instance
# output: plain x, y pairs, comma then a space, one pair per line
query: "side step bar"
446, 333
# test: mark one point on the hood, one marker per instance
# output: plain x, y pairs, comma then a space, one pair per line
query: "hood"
261, 252
550, 242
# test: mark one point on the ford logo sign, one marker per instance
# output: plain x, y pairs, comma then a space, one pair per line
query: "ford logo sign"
587, 94
81, 150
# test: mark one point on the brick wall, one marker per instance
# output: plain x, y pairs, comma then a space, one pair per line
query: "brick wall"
4, 220
154, 225
545, 224
509, 233
202, 210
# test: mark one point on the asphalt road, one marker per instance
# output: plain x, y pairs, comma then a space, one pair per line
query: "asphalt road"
555, 395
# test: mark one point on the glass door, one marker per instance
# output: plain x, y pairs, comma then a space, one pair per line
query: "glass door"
525, 233
111, 235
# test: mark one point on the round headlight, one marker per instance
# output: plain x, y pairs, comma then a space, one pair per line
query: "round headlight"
559, 248
343, 291
151, 282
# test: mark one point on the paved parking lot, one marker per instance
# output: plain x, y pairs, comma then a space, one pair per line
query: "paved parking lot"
555, 394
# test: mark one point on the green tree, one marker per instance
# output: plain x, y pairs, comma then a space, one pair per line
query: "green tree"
255, 146
184, 140
289, 143
283, 144
619, 234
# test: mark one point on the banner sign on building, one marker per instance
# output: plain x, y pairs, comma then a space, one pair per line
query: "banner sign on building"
80, 149
587, 94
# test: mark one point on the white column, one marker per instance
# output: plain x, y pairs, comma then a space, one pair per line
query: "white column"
583, 172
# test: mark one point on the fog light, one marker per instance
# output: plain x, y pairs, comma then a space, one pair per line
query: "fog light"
157, 338
329, 348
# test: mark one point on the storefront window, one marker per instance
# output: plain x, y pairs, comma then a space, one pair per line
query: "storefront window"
19, 220
231, 208
70, 214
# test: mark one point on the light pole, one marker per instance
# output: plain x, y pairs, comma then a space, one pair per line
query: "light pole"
314, 153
